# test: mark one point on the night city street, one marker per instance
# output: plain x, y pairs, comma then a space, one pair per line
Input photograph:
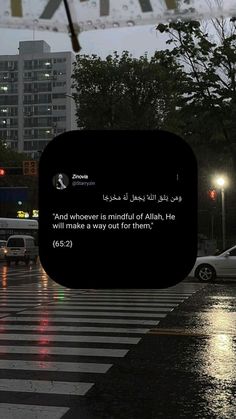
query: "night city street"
117, 171
106, 354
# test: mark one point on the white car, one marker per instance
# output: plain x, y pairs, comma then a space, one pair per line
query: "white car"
21, 248
207, 268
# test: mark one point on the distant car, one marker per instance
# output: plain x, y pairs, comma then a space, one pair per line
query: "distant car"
2, 249
21, 248
207, 268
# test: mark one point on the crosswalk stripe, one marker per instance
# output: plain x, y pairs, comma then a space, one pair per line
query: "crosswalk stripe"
27, 298
18, 305
32, 291
138, 330
138, 302
85, 367
114, 292
81, 307
29, 275
69, 338
74, 293
83, 320
47, 387
41, 289
17, 272
102, 300
28, 293
39, 285
12, 308
36, 293
115, 306
26, 411
125, 298
98, 313
67, 351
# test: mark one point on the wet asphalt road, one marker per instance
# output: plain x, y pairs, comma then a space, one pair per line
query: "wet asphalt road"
184, 368
178, 359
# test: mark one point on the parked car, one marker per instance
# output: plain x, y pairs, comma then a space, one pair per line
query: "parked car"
207, 268
2, 249
21, 248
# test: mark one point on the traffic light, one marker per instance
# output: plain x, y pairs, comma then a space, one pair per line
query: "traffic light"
8, 171
212, 193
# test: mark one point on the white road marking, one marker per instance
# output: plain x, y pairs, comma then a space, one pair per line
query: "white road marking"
99, 306
114, 293
125, 298
53, 350
46, 328
17, 305
146, 303
47, 387
55, 366
95, 313
27, 411
69, 338
27, 318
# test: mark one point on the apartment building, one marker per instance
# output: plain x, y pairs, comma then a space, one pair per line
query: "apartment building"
35, 97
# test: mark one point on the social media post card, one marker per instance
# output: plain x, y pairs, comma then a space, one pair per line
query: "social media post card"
117, 206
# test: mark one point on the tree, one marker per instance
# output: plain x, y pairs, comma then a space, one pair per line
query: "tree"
125, 92
9, 156
207, 55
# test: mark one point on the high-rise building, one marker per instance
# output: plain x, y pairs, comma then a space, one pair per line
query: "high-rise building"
35, 96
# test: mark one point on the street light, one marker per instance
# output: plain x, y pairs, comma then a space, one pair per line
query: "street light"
221, 182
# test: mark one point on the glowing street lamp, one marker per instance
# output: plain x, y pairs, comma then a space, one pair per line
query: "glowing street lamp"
220, 181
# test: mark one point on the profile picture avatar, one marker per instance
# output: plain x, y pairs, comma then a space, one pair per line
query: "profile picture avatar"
60, 181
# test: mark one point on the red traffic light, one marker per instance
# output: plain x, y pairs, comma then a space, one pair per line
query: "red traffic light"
212, 194
2, 171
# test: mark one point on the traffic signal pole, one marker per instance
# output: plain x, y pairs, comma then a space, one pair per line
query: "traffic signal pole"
223, 217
